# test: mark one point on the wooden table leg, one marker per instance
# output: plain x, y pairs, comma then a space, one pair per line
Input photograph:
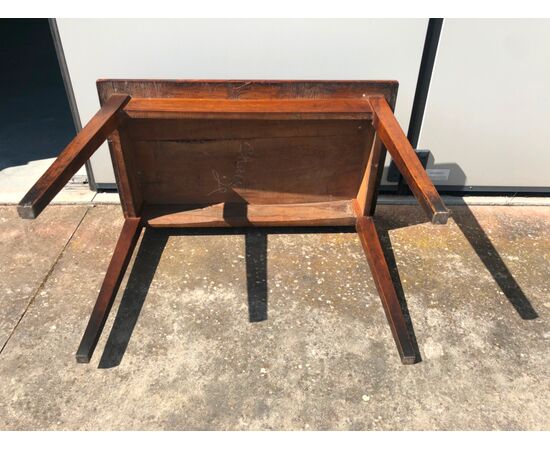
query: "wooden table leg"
73, 157
384, 284
406, 160
115, 272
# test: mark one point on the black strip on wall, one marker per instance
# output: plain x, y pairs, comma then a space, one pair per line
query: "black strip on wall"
424, 78
422, 88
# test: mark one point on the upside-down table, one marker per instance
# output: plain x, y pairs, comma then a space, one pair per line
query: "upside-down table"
244, 153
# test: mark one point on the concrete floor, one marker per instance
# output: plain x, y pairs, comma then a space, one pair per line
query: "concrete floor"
188, 345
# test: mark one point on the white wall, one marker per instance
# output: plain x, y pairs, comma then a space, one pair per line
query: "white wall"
488, 108
248, 49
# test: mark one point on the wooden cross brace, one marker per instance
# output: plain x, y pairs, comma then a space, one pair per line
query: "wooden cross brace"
244, 153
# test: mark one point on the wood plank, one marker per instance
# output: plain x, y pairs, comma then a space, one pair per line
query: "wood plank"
124, 167
249, 108
241, 214
407, 162
249, 89
384, 284
369, 183
227, 129
372, 197
115, 272
73, 157
264, 170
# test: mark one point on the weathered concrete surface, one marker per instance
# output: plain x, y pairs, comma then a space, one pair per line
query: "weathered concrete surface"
28, 250
183, 353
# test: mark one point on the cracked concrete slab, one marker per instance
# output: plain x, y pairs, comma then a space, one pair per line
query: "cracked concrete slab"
302, 341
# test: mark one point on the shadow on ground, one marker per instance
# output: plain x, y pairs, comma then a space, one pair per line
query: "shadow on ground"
154, 242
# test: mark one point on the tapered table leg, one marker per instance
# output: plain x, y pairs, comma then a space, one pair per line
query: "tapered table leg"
119, 262
384, 284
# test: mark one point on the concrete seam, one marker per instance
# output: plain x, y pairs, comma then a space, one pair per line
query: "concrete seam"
44, 280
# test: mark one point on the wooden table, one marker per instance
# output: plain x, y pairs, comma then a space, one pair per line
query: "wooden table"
244, 153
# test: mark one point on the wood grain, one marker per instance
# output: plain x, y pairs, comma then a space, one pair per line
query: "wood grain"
291, 109
407, 162
115, 272
228, 215
73, 157
122, 152
273, 168
249, 89
384, 284
368, 187
228, 129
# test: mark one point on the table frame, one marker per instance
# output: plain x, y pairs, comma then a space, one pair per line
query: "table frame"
125, 100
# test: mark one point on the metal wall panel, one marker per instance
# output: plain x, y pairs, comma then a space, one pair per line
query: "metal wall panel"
487, 114
223, 48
